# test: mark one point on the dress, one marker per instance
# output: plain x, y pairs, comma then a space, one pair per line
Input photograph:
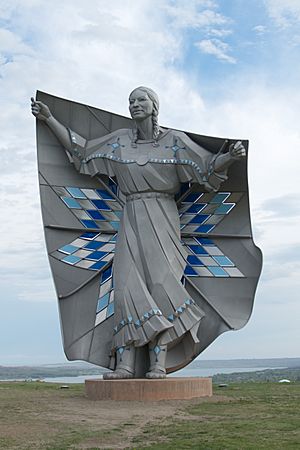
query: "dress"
149, 262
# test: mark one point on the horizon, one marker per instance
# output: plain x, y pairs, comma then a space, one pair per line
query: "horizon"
197, 359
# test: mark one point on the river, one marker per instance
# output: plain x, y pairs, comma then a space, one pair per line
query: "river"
181, 373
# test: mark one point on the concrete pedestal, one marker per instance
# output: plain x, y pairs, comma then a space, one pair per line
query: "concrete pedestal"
149, 390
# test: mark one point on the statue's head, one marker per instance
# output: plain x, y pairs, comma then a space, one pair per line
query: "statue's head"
143, 102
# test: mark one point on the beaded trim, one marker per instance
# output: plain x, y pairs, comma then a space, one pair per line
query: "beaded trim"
153, 312
138, 323
181, 309
151, 160
117, 144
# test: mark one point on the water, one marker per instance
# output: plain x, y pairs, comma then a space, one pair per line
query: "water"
180, 373
213, 371
71, 380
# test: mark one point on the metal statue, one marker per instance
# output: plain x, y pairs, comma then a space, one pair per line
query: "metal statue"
150, 259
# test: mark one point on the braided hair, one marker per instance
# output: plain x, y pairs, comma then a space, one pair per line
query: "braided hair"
154, 98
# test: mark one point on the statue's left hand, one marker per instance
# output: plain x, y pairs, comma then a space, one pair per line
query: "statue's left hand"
40, 110
237, 150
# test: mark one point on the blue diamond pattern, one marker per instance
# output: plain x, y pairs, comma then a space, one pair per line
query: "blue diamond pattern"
198, 249
86, 252
94, 245
103, 302
71, 259
98, 265
105, 195
110, 310
68, 249
71, 203
223, 261
198, 267
197, 208
190, 272
157, 350
92, 249
100, 205
200, 218
218, 271
76, 192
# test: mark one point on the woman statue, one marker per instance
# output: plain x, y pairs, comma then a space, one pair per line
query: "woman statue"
152, 307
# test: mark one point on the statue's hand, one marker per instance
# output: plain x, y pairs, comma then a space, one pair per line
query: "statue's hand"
237, 150
40, 110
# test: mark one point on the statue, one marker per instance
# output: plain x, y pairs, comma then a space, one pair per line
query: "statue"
128, 230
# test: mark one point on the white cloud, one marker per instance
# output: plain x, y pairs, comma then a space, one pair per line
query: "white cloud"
195, 14
284, 12
221, 32
10, 43
260, 29
96, 53
98, 59
266, 116
217, 48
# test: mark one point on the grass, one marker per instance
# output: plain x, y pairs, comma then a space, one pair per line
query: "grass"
257, 416
40, 416
31, 417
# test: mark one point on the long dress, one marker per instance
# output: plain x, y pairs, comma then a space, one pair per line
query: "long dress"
149, 262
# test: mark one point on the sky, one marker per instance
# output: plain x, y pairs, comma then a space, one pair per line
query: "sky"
228, 68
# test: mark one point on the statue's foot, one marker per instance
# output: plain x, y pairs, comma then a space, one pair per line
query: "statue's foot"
118, 374
156, 374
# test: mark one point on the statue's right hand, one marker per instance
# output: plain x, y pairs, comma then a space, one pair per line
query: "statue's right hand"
40, 110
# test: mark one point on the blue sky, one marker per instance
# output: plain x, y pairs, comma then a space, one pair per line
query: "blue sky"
224, 68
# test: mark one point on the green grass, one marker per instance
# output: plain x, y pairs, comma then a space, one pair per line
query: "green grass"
257, 416
40, 416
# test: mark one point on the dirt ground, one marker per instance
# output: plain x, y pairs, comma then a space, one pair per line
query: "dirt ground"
39, 416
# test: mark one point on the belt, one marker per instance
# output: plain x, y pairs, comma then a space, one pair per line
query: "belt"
145, 195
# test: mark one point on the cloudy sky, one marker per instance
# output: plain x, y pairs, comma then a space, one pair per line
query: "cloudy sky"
221, 67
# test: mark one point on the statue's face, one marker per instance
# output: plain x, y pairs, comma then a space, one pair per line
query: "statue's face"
140, 105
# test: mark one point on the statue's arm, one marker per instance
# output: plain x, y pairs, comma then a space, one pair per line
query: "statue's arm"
236, 151
43, 113
70, 140
76, 146
210, 169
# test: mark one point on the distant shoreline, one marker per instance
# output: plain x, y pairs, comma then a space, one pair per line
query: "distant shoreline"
258, 369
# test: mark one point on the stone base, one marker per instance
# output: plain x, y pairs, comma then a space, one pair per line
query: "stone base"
149, 390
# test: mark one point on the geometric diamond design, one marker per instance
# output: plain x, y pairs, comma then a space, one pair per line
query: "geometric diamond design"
157, 350
202, 212
139, 322
94, 208
115, 145
98, 209
92, 251
105, 305
206, 259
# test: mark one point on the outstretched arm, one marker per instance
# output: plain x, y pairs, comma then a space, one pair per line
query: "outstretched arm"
43, 113
236, 151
